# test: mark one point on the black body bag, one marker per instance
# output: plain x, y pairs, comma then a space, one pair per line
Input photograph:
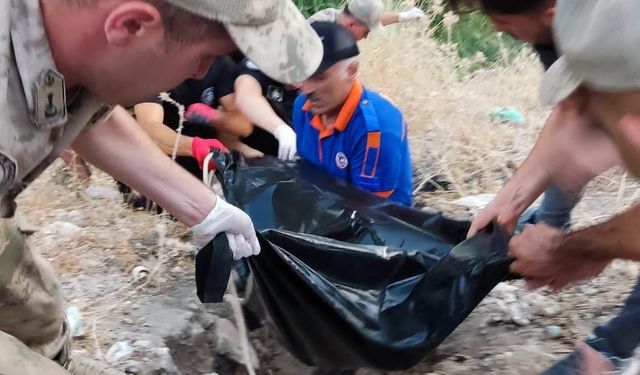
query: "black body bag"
351, 280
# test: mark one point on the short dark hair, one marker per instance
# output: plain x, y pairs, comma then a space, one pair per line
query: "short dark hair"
180, 26
499, 6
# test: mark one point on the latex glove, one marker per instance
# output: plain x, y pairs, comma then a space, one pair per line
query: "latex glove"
200, 148
200, 113
411, 14
234, 223
287, 142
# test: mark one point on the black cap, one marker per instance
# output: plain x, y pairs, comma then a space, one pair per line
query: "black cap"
338, 43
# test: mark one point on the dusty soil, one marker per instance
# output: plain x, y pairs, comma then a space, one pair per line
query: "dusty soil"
95, 264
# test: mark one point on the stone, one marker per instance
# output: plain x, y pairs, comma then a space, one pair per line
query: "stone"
104, 192
553, 332
118, 352
61, 229
542, 306
227, 341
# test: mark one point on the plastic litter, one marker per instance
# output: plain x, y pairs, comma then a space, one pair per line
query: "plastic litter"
118, 352
351, 280
76, 328
509, 114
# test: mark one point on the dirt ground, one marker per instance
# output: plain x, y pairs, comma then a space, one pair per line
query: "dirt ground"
95, 264
453, 140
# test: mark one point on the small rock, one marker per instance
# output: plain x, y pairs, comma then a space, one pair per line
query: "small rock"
553, 332
519, 318
128, 321
62, 229
118, 352
227, 342
139, 273
176, 270
104, 192
542, 306
77, 217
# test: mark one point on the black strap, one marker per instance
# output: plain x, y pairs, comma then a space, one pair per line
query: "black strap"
213, 268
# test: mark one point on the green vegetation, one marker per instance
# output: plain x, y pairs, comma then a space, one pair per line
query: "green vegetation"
309, 7
472, 34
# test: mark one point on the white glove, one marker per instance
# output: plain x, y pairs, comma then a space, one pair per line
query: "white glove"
236, 225
411, 14
287, 142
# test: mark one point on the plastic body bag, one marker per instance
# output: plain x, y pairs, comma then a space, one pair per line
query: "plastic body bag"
351, 280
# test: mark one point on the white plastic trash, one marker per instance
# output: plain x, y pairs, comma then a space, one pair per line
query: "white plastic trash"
76, 328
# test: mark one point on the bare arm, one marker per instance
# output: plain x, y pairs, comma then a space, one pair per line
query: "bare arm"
389, 18
251, 103
232, 119
618, 237
150, 116
121, 148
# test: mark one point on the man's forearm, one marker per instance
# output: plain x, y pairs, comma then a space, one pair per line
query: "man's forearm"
618, 237
121, 148
150, 116
389, 18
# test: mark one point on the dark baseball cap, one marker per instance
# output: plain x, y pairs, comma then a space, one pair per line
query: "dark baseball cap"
337, 42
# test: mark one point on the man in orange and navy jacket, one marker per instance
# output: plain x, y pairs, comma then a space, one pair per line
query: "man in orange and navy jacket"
349, 131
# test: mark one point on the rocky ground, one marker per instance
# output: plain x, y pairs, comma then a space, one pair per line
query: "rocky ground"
155, 324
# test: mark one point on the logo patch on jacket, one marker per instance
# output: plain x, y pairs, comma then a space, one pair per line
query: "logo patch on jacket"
208, 96
341, 160
275, 93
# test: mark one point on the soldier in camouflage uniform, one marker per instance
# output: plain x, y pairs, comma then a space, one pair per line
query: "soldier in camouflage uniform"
60, 61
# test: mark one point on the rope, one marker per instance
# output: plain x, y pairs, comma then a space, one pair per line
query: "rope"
165, 97
210, 180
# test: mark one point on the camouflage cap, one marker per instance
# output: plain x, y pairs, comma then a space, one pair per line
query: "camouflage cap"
367, 11
271, 33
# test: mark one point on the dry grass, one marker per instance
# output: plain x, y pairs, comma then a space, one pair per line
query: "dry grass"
451, 133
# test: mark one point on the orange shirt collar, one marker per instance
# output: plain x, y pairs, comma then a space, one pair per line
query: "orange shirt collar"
344, 116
